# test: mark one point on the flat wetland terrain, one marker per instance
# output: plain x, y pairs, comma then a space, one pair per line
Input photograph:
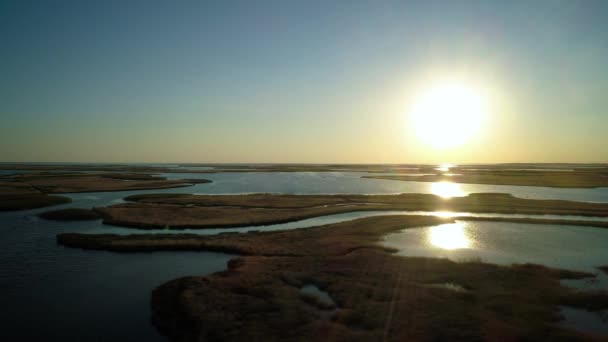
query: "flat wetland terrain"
217, 211
374, 294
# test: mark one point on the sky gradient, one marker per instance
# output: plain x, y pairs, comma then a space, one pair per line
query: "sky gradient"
297, 81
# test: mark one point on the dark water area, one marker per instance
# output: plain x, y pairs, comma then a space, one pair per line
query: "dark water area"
53, 293
12, 172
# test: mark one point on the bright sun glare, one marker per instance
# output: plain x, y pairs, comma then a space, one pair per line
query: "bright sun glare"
448, 115
449, 236
447, 189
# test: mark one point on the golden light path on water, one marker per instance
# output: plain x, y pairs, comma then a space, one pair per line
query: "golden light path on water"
447, 189
449, 236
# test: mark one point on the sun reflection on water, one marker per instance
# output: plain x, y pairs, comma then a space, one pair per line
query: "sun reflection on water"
445, 214
449, 236
444, 167
447, 189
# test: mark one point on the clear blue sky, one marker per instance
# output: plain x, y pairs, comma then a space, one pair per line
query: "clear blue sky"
296, 81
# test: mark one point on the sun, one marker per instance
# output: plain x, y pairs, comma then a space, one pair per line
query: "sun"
448, 115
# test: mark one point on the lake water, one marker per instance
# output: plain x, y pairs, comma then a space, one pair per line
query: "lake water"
54, 293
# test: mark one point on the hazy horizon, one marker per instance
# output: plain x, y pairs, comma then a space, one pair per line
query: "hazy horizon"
283, 163
300, 82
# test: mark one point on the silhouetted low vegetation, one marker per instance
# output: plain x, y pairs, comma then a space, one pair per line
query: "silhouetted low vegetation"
8, 203
19, 196
70, 214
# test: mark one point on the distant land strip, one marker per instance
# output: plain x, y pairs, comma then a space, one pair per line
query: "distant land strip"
180, 211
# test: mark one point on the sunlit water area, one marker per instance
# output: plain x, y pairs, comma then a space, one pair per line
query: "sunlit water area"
561, 246
558, 246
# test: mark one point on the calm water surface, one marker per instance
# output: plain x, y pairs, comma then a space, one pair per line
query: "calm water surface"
52, 293
569, 247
